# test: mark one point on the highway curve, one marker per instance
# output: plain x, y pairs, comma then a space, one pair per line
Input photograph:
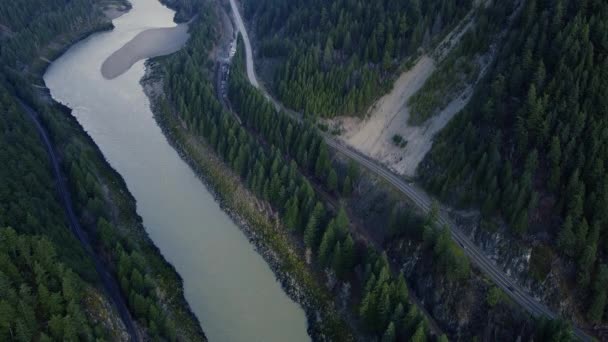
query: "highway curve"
420, 198
109, 283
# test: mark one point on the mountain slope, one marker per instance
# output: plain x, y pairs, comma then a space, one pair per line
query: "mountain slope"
531, 150
336, 57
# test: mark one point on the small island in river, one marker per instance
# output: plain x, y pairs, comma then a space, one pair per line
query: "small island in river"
147, 44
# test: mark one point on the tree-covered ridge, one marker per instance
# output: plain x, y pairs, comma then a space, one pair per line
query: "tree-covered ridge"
335, 57
21, 14
140, 280
463, 65
532, 147
41, 299
33, 24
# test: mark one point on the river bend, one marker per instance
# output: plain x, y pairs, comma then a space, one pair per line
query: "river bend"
228, 285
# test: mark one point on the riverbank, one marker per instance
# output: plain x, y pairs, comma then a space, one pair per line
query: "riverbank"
119, 206
254, 217
113, 9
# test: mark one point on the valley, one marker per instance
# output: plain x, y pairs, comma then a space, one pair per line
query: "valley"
335, 170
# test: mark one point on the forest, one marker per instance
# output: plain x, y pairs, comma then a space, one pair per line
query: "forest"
285, 162
28, 26
336, 57
462, 67
28, 201
542, 170
531, 147
184, 9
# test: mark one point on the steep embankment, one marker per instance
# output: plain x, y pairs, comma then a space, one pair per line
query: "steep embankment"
386, 133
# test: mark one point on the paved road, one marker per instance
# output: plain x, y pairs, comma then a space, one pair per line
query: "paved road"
421, 199
109, 283
248, 51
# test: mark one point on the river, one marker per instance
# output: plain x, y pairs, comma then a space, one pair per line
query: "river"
228, 285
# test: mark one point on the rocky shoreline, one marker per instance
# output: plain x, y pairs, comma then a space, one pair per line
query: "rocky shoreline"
153, 88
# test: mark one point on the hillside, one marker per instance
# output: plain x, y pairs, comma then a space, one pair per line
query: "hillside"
329, 58
43, 298
497, 108
530, 148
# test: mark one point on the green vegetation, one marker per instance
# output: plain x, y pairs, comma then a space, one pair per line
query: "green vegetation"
553, 330
596, 309
535, 134
441, 276
494, 296
448, 258
28, 198
139, 283
540, 262
29, 26
336, 57
441, 88
184, 9
384, 309
399, 141
41, 299
461, 67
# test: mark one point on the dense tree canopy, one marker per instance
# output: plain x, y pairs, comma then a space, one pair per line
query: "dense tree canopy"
28, 198
532, 146
41, 299
184, 9
463, 65
28, 26
335, 57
